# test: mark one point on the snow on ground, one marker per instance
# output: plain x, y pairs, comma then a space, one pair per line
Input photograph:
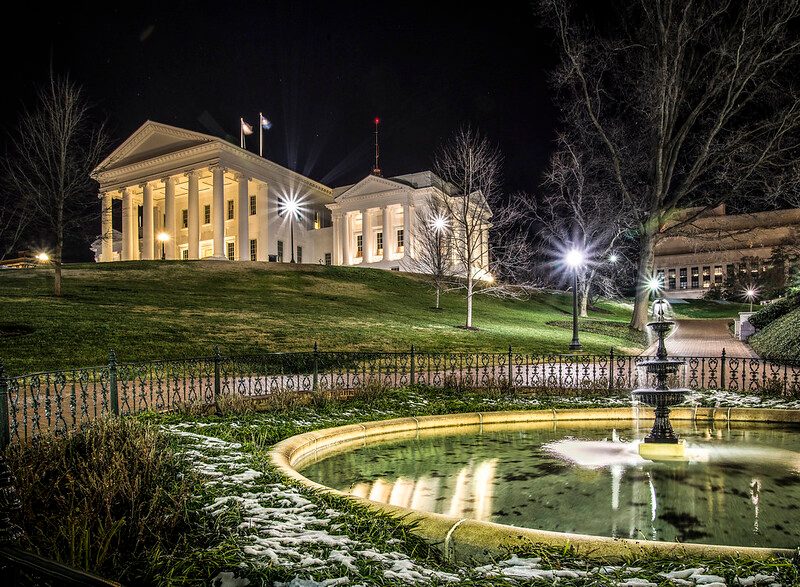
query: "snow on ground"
283, 526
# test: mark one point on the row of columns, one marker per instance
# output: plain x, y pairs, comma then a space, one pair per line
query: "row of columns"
151, 247
344, 243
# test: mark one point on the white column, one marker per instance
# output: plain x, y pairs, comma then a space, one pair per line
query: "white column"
194, 214
243, 220
366, 236
218, 210
128, 221
336, 251
148, 242
387, 228
262, 217
347, 239
169, 217
408, 211
107, 245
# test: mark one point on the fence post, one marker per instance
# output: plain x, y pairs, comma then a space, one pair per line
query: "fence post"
413, 378
510, 367
722, 370
5, 430
113, 392
315, 384
611, 370
217, 383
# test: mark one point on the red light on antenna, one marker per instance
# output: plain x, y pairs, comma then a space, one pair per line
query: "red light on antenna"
377, 120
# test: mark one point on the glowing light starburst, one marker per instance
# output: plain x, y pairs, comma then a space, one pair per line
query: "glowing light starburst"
575, 258
440, 222
654, 283
292, 206
751, 293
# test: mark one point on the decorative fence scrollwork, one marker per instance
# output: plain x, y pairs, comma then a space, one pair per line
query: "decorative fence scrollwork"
61, 401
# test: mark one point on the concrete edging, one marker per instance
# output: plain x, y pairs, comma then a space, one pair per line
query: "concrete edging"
467, 540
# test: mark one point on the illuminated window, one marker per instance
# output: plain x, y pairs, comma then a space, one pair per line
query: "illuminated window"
207, 214
359, 246
253, 249
707, 276
317, 222
231, 250
718, 274
380, 243
230, 209
185, 254
252, 205
280, 251
328, 259
683, 277
184, 219
671, 279
695, 277
400, 240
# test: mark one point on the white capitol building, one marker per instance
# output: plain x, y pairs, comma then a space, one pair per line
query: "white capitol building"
188, 195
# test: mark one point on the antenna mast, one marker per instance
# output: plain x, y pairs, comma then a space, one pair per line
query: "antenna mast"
376, 170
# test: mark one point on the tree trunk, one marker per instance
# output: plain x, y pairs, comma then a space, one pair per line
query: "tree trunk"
57, 265
438, 290
469, 301
644, 271
584, 290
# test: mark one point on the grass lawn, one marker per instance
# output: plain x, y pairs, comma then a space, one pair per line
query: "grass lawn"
146, 310
709, 309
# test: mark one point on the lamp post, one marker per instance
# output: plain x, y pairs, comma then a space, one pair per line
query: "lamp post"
751, 293
291, 207
163, 237
574, 259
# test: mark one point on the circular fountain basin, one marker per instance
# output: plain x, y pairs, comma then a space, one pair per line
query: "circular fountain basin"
480, 484
666, 397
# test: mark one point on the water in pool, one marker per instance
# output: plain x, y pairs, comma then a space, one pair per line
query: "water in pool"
739, 486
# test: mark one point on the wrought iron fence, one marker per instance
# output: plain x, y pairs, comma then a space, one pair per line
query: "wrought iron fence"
59, 401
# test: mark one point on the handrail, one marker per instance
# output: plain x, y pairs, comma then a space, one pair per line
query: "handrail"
28, 568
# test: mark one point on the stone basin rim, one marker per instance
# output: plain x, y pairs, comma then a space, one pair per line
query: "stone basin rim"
467, 540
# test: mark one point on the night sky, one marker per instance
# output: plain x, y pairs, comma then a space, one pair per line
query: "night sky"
321, 71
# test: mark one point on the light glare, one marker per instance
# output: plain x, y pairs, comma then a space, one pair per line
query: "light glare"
43, 257
575, 258
162, 237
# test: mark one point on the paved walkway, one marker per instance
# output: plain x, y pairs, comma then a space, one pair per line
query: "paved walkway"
703, 338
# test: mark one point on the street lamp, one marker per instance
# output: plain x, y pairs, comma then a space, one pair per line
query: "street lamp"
163, 237
43, 257
575, 258
751, 293
291, 208
613, 258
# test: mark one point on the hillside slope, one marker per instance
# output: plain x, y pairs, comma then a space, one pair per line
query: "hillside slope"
780, 339
173, 309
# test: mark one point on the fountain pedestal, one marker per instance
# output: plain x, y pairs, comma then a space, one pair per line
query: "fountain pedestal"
662, 443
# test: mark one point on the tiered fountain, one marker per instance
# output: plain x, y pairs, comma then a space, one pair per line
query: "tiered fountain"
662, 443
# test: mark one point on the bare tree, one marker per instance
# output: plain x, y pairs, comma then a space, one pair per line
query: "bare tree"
470, 166
14, 219
57, 146
693, 102
578, 209
433, 256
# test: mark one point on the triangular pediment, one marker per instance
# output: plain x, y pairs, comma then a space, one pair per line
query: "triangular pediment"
153, 139
371, 185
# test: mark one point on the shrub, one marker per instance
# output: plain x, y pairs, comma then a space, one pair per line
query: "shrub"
775, 310
780, 339
104, 498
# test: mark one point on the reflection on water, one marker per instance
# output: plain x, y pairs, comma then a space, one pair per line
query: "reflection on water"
739, 485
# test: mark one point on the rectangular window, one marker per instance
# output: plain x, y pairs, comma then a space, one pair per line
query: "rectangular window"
671, 279
185, 254
253, 249
299, 254
184, 219
660, 277
359, 246
317, 221
280, 251
328, 259
718, 274
707, 276
230, 209
231, 250
400, 240
683, 277
380, 243
252, 205
207, 214
695, 277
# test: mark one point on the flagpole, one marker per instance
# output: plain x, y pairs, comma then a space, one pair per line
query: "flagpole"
260, 136
241, 132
